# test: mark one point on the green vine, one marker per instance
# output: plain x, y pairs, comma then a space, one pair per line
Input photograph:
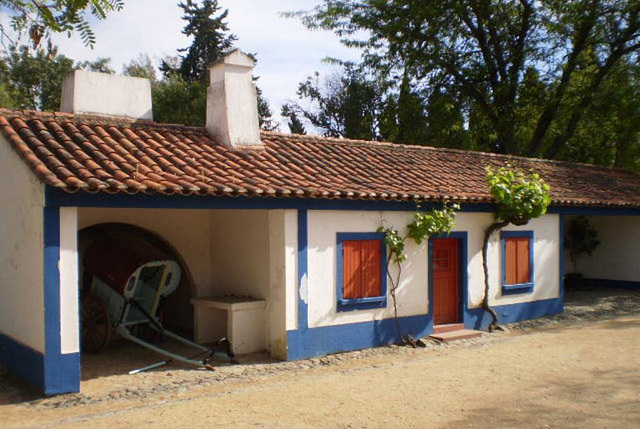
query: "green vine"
424, 225
520, 197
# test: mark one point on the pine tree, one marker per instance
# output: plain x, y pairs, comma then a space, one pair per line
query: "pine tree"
211, 38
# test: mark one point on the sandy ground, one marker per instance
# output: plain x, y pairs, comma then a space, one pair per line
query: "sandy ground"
575, 370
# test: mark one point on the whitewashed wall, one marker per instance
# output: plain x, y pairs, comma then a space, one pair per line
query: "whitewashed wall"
254, 254
413, 290
21, 251
618, 255
282, 298
240, 252
323, 227
68, 266
546, 230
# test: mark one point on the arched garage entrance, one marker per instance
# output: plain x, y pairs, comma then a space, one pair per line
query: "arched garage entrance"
175, 308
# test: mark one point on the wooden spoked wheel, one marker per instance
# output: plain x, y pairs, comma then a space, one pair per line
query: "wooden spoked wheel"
95, 323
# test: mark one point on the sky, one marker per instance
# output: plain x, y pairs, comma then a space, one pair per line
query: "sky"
287, 52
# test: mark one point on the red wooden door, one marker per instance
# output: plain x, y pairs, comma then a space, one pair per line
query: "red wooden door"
446, 281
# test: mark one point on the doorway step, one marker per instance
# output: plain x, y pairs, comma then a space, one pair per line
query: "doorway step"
452, 332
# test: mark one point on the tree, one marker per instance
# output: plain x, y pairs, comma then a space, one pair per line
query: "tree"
343, 105
99, 65
39, 18
141, 67
33, 81
520, 197
484, 48
179, 102
210, 38
181, 96
295, 124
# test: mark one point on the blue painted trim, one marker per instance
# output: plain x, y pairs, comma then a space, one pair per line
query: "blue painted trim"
22, 360
303, 268
360, 303
324, 340
517, 288
61, 371
57, 198
478, 318
593, 211
463, 267
605, 283
561, 256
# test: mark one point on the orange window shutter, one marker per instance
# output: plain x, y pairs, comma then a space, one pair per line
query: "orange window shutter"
510, 261
361, 267
351, 269
371, 268
523, 250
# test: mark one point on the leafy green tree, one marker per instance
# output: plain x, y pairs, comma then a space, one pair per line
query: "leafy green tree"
484, 49
39, 18
181, 96
100, 65
344, 105
33, 81
520, 197
141, 67
179, 102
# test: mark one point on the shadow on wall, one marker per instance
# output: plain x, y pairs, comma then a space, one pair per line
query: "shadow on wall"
177, 311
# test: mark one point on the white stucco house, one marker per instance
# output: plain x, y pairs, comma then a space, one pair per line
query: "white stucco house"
287, 223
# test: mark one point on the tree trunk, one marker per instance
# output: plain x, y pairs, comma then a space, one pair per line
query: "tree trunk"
485, 301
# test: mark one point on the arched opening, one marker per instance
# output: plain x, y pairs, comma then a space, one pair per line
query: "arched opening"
176, 309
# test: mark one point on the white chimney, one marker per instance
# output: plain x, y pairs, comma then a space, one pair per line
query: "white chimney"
232, 103
104, 94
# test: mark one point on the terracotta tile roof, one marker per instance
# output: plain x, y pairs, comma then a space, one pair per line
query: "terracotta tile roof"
93, 154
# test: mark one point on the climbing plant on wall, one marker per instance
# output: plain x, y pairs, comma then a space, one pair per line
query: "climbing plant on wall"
424, 225
520, 197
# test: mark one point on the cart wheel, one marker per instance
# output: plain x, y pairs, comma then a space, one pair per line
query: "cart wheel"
96, 326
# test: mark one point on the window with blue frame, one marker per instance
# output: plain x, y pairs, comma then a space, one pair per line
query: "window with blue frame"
361, 271
517, 261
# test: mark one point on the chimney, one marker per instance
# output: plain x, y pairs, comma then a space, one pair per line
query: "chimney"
232, 103
85, 92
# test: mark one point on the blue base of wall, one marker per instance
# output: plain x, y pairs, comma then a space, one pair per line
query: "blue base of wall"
22, 361
477, 318
52, 376
62, 374
313, 342
604, 283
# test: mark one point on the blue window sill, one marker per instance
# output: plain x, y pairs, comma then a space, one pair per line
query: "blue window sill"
362, 303
516, 289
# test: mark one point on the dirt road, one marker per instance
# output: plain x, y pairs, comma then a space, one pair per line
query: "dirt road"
584, 375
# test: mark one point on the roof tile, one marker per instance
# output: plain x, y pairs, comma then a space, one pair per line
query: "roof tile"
115, 155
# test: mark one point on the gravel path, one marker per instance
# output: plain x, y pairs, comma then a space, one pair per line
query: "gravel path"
582, 305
